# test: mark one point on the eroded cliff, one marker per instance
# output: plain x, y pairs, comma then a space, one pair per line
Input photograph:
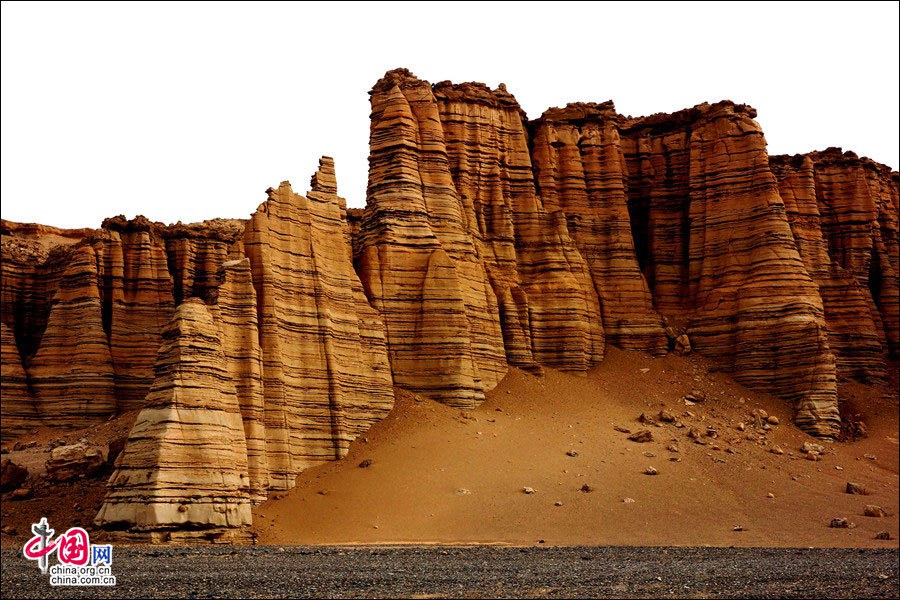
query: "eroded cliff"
487, 241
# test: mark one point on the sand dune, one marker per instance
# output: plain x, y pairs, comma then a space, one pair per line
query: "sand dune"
439, 475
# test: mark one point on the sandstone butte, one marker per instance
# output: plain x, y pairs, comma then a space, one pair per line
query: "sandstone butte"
258, 348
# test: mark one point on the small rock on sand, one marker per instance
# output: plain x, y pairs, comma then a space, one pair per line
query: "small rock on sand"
810, 447
776, 450
873, 510
23, 493
840, 523
650, 471
884, 535
628, 500
857, 488
527, 490
667, 417
641, 436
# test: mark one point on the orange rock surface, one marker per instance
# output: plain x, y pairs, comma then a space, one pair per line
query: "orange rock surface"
858, 206
717, 248
486, 242
17, 410
455, 251
235, 311
72, 373
855, 334
581, 170
326, 375
185, 461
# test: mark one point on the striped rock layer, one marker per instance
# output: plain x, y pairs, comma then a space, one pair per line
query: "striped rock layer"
487, 241
17, 409
715, 243
185, 461
856, 202
325, 371
454, 250
856, 332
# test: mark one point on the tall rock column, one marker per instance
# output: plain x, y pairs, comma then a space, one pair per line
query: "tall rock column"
326, 376
858, 201
732, 269
185, 462
235, 311
580, 169
17, 409
426, 292
72, 372
855, 338
548, 306
137, 300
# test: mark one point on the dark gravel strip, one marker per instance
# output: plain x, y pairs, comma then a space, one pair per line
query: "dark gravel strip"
460, 572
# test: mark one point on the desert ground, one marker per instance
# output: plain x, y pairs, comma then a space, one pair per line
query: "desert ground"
438, 475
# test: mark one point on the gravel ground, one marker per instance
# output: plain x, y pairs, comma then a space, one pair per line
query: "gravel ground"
461, 572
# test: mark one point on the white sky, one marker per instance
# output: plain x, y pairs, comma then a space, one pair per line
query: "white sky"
188, 112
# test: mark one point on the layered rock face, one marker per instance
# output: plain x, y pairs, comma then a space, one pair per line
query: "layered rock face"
580, 169
455, 251
185, 462
136, 292
856, 333
549, 312
66, 293
856, 199
259, 348
718, 252
196, 252
325, 370
593, 227
17, 409
298, 356
72, 373
235, 312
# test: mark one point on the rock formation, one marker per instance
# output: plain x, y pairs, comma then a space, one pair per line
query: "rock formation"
455, 251
72, 373
137, 302
855, 334
235, 311
549, 312
259, 348
196, 253
580, 169
17, 410
185, 462
857, 205
325, 370
718, 252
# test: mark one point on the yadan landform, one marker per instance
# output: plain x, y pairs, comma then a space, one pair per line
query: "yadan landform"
252, 350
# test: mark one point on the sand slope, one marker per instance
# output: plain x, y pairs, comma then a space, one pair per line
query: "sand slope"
438, 475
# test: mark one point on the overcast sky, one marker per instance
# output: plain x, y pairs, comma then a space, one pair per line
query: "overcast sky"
188, 112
